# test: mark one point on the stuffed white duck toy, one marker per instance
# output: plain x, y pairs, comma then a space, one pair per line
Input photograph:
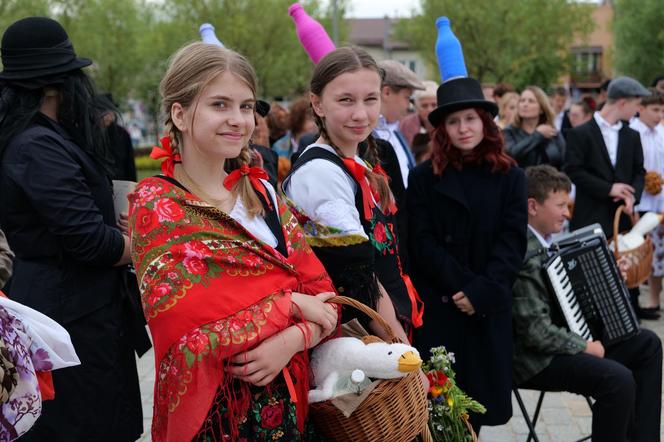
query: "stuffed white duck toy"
336, 365
635, 237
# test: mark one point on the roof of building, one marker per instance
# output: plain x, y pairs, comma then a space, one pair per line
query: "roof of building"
376, 32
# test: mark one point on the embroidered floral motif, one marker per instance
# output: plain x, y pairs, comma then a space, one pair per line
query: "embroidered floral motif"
175, 370
382, 236
319, 235
205, 286
272, 418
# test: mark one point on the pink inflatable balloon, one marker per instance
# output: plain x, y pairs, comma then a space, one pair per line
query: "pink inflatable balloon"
312, 35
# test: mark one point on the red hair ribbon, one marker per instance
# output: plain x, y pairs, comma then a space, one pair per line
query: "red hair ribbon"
255, 174
359, 173
380, 171
167, 154
416, 302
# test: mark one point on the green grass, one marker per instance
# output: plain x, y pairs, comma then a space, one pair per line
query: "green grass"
144, 173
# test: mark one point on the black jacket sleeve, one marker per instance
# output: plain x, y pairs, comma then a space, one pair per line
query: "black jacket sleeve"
57, 188
638, 172
575, 167
518, 147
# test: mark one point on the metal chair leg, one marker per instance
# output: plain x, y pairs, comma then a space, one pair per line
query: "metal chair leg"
532, 435
531, 428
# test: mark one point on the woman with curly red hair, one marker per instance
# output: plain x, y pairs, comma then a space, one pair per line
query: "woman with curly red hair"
467, 217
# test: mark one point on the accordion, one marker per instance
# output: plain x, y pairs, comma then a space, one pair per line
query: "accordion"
590, 290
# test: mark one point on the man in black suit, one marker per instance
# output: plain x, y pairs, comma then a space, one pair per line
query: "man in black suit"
605, 161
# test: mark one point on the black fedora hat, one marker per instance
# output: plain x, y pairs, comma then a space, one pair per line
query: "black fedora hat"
36, 47
457, 94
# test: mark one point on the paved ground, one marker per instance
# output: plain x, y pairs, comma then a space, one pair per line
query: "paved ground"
565, 417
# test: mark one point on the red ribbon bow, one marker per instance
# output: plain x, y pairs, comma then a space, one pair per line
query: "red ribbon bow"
167, 154
380, 171
255, 174
359, 173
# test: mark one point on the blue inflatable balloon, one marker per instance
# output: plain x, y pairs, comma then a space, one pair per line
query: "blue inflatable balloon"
448, 51
208, 36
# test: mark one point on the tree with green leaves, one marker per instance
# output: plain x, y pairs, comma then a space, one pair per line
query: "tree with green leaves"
525, 42
108, 32
262, 30
639, 38
12, 10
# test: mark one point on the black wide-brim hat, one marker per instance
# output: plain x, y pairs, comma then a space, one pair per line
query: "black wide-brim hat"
37, 47
457, 94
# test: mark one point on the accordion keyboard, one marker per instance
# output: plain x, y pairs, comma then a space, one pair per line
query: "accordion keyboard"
590, 292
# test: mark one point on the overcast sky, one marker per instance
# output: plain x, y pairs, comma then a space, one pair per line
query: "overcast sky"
391, 8
381, 8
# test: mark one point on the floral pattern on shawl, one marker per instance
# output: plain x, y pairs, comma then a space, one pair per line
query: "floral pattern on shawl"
209, 290
24, 405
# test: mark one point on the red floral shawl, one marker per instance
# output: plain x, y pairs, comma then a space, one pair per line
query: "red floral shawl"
209, 290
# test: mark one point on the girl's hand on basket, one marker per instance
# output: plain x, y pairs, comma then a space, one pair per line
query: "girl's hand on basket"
315, 309
260, 365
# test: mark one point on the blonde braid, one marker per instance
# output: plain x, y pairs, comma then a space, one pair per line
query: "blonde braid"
243, 188
378, 181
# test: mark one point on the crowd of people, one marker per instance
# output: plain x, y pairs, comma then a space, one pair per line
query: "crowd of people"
435, 205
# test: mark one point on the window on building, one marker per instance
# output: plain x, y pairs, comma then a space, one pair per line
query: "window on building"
587, 63
410, 64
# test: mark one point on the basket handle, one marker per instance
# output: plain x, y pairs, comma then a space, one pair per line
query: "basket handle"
373, 314
616, 220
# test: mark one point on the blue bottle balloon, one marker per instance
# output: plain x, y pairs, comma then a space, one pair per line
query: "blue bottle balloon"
448, 51
208, 36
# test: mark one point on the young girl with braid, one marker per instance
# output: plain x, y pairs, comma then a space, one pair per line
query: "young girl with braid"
232, 293
344, 203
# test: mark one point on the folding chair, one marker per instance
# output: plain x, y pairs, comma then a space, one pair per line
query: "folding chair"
532, 434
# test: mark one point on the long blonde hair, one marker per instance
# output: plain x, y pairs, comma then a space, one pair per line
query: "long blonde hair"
546, 115
502, 108
192, 68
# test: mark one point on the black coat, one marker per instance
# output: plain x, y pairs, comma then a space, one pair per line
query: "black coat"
589, 167
56, 209
467, 232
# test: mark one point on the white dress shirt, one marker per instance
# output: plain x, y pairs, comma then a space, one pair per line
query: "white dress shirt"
385, 131
610, 135
558, 120
326, 193
652, 141
256, 225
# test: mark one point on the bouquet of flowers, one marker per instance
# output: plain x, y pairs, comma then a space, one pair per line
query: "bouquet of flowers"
448, 405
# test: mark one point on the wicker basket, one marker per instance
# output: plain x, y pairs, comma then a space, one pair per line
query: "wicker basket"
396, 410
638, 261
471, 431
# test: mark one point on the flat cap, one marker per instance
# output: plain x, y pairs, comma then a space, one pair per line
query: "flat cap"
625, 87
430, 88
396, 74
